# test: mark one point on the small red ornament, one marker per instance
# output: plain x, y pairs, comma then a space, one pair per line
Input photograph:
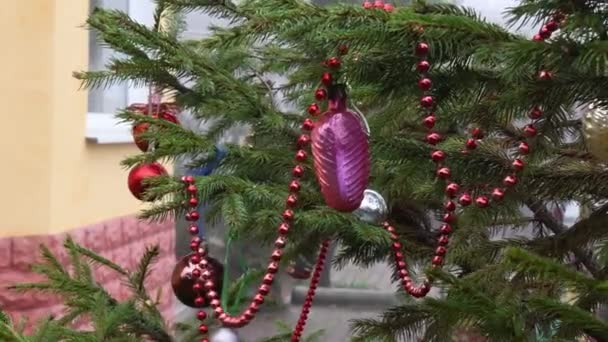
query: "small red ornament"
368, 5
168, 116
545, 75
477, 133
429, 121
437, 260
535, 113
303, 140
333, 62
425, 84
482, 201
538, 38
524, 148
294, 186
544, 32
192, 216
518, 164
326, 78
449, 217
298, 171
183, 282
389, 7
552, 26
452, 189
137, 131
449, 206
422, 49
530, 130
444, 173
433, 138
301, 155
313, 109
140, 174
465, 200
498, 194
445, 229
308, 125
288, 215
423, 66
320, 94
292, 200
438, 156
379, 4
471, 144
510, 180
427, 101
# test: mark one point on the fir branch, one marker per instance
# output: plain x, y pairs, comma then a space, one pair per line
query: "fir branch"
79, 250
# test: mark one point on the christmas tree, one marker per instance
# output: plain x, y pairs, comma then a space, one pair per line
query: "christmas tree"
476, 136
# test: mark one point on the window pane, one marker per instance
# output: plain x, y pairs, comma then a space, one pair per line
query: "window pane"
105, 100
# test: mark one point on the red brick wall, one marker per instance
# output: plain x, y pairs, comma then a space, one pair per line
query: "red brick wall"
122, 240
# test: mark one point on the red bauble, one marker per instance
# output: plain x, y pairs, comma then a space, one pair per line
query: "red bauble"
368, 5
535, 113
545, 75
471, 144
423, 66
482, 201
139, 174
477, 133
433, 138
438, 156
538, 38
183, 282
422, 49
465, 200
168, 116
333, 62
429, 121
139, 129
326, 78
143, 127
389, 7
425, 84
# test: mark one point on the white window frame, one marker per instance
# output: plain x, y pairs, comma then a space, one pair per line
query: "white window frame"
105, 128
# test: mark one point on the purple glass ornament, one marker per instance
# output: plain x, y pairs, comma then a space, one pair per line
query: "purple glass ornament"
340, 149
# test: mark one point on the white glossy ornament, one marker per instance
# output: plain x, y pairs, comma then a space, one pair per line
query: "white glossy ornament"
373, 208
595, 130
225, 335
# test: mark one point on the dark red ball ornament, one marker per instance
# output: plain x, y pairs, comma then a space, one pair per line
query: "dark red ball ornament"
183, 281
137, 131
139, 174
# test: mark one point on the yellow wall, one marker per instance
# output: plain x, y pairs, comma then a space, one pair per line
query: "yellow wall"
51, 178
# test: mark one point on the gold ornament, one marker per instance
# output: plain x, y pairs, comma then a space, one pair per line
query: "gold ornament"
595, 130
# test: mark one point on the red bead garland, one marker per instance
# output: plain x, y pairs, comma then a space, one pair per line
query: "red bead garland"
427, 102
314, 282
206, 286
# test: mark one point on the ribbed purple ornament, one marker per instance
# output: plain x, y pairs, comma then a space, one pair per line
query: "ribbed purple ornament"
340, 149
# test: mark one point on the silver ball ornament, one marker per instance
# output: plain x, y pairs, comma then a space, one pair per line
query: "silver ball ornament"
595, 130
225, 335
373, 208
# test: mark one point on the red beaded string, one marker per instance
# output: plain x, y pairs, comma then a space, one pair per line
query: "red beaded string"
205, 285
312, 287
452, 189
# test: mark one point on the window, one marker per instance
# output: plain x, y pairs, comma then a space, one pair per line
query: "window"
101, 125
